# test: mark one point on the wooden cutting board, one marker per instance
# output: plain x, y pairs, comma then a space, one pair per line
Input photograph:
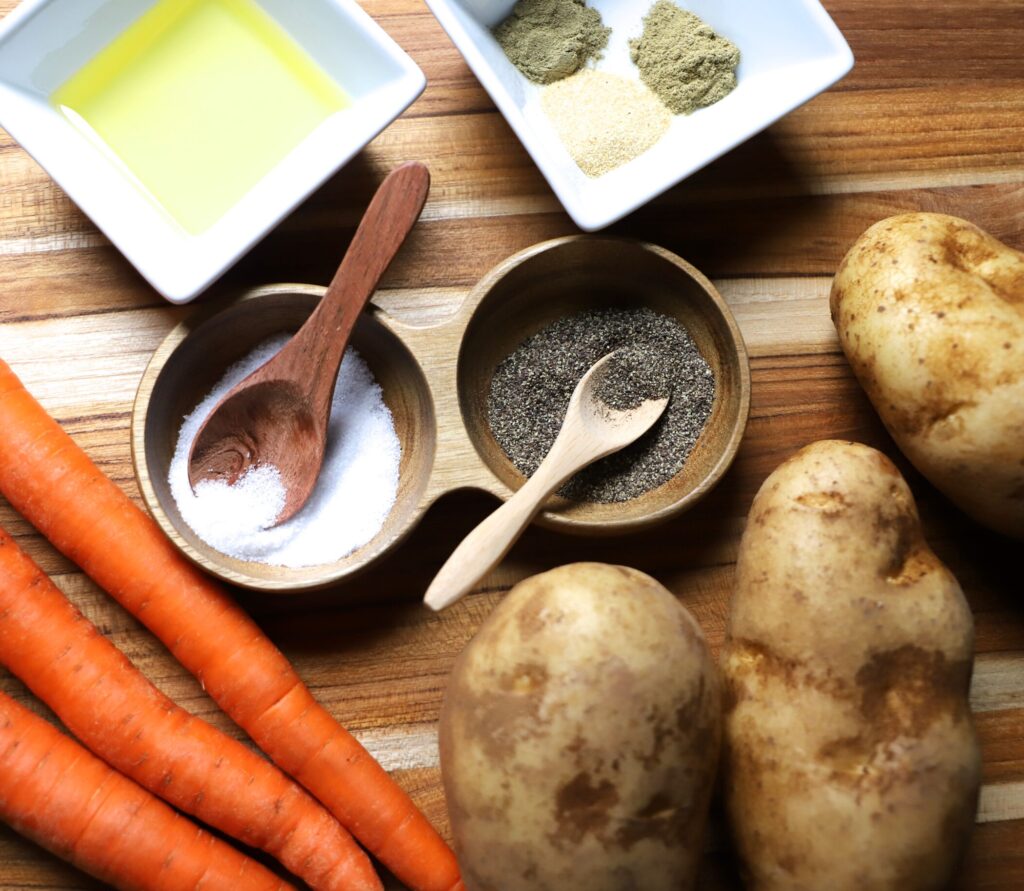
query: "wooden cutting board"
932, 118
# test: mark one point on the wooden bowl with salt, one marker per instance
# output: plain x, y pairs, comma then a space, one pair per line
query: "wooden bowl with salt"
435, 381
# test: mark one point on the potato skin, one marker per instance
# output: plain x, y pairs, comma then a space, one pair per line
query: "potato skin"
849, 758
930, 313
579, 737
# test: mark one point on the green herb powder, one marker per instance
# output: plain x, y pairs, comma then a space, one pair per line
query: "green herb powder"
684, 62
550, 39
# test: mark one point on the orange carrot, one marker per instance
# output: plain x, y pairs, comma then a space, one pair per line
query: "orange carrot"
111, 707
56, 793
50, 480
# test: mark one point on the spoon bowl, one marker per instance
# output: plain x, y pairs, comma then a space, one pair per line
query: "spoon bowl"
606, 427
235, 438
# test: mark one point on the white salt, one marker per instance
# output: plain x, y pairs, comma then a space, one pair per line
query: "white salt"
352, 498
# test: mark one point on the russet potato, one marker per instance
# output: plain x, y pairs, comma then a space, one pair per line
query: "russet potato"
850, 761
579, 737
930, 313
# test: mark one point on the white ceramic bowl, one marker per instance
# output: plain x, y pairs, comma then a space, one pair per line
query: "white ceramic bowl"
44, 42
790, 51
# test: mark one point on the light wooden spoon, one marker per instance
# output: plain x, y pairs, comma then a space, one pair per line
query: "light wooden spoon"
591, 430
278, 415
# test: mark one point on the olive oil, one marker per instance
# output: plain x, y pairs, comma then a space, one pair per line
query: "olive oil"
197, 100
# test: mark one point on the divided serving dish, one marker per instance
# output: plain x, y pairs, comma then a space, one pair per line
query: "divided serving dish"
435, 381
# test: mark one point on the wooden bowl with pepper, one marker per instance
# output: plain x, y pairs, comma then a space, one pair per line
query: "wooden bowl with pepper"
537, 321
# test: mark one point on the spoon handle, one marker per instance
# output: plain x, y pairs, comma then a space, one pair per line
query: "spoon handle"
484, 547
392, 213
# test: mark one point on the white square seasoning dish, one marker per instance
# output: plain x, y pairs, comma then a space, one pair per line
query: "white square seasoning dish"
45, 44
790, 50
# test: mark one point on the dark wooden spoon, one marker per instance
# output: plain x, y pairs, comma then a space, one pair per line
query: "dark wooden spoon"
278, 415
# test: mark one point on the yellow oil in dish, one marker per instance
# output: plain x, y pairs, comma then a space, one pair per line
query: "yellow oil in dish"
197, 100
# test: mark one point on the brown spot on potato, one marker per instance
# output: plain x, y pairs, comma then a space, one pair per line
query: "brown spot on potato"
964, 250
528, 678
759, 659
934, 409
529, 616
496, 719
845, 755
760, 516
899, 693
576, 748
900, 523
904, 691
830, 503
1008, 287
583, 808
763, 661
917, 564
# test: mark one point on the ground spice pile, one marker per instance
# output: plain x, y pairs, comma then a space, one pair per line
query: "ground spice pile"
531, 387
360, 467
629, 378
683, 60
551, 39
604, 120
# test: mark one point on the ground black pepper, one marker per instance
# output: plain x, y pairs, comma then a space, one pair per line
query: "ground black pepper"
629, 377
531, 387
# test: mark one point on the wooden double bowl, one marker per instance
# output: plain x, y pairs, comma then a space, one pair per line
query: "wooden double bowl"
436, 380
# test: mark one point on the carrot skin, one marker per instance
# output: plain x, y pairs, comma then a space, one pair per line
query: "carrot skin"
56, 793
55, 485
118, 714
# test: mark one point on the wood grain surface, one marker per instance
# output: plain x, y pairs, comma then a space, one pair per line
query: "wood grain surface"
932, 117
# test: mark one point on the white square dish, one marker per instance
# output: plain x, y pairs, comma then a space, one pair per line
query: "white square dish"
790, 51
45, 42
